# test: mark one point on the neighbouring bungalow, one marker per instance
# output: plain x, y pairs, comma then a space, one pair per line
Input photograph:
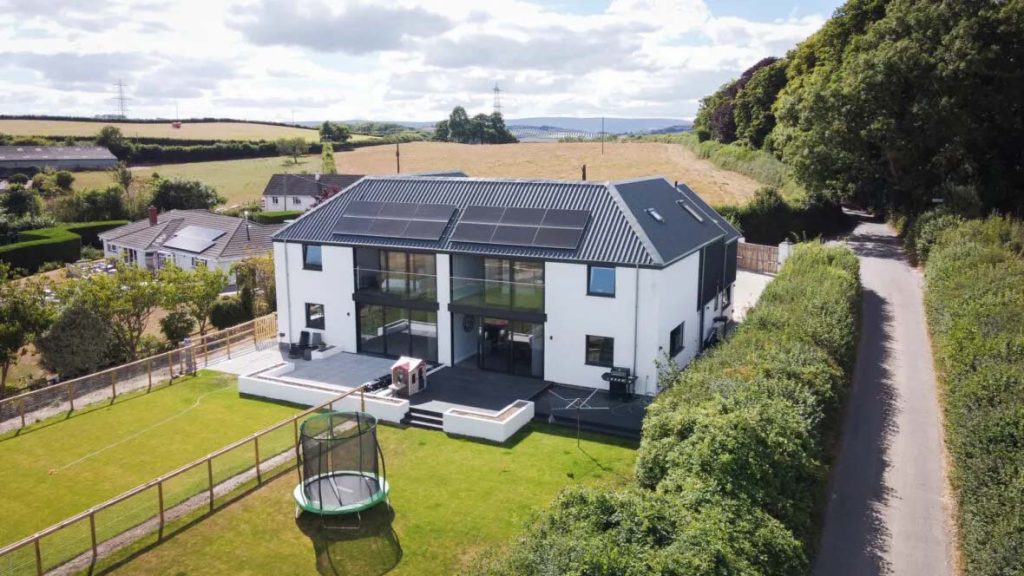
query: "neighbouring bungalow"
188, 238
303, 191
568, 282
13, 158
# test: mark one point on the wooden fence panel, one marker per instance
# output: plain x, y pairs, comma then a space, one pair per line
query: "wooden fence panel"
757, 258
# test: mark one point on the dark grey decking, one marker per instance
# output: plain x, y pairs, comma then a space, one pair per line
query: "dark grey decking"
344, 369
469, 388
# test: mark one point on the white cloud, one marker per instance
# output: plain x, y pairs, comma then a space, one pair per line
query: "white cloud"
402, 59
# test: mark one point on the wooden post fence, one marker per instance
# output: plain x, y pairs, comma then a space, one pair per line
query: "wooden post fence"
209, 475
160, 498
256, 448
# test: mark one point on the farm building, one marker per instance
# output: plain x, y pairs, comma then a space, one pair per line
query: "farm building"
303, 191
188, 238
561, 281
13, 158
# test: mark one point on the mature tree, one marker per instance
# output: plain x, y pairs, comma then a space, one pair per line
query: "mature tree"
20, 201
193, 292
256, 289
110, 137
78, 342
24, 314
460, 128
715, 117
327, 159
752, 109
441, 132
179, 194
228, 312
294, 147
127, 298
122, 176
333, 132
480, 129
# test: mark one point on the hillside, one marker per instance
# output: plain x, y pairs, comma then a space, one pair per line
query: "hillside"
194, 131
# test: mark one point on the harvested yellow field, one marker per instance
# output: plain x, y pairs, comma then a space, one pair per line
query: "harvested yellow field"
243, 181
191, 131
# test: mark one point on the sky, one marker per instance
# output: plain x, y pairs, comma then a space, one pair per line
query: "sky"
411, 60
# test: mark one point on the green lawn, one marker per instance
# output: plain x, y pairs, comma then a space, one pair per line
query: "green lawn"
453, 499
62, 466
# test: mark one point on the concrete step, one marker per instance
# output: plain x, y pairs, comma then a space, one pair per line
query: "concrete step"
423, 423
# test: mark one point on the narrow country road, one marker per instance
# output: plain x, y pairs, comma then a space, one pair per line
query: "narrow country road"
888, 509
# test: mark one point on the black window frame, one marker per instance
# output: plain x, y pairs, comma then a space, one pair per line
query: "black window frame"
321, 325
590, 290
599, 362
674, 350
305, 263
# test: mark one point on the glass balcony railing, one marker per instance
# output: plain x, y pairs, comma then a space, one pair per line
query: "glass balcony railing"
498, 294
398, 284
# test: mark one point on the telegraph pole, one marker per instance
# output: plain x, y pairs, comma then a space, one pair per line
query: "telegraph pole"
602, 135
398, 158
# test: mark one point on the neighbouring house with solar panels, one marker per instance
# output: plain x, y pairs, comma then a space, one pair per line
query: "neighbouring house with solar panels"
576, 283
188, 238
303, 191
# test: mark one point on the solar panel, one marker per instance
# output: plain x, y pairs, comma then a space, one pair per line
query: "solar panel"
515, 235
397, 210
566, 218
524, 216
201, 232
425, 230
470, 232
482, 214
388, 228
565, 238
435, 212
357, 226
364, 209
192, 244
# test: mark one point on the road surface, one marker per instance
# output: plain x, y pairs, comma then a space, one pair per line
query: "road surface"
888, 510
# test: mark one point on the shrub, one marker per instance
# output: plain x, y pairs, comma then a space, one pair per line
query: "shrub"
974, 302
64, 179
275, 217
18, 179
924, 231
228, 312
734, 453
90, 231
177, 326
78, 342
769, 218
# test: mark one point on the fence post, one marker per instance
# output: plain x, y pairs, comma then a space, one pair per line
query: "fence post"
21, 411
206, 352
71, 395
92, 531
39, 559
255, 343
256, 446
209, 475
228, 340
362, 400
170, 365
113, 384
149, 373
160, 495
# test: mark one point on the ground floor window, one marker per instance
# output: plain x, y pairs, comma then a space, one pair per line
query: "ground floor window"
394, 331
315, 316
675, 340
600, 351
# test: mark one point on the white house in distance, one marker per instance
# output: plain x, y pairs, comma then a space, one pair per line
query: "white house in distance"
559, 281
303, 191
188, 238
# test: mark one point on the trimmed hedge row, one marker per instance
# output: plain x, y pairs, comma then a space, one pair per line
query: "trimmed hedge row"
734, 455
275, 217
770, 219
974, 298
58, 244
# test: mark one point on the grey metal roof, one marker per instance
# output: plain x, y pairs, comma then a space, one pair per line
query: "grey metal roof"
307, 184
55, 153
731, 233
238, 240
614, 234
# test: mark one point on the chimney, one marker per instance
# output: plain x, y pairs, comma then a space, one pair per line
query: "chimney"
152, 215
584, 172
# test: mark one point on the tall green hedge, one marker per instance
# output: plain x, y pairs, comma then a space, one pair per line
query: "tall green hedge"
974, 298
58, 244
275, 217
734, 455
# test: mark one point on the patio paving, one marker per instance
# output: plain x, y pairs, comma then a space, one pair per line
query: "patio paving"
471, 388
600, 412
342, 369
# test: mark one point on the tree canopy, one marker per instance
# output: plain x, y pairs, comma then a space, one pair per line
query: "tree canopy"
480, 129
333, 132
78, 342
23, 316
180, 194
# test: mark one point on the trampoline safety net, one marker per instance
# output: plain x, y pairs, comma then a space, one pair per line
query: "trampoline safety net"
341, 463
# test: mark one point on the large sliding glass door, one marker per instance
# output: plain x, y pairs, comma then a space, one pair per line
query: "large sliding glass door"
396, 331
511, 346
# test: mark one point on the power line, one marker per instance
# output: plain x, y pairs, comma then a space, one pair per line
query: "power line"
497, 99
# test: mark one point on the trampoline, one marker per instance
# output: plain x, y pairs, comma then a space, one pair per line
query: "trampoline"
342, 470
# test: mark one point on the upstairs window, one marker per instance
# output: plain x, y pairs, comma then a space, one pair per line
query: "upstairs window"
312, 258
601, 281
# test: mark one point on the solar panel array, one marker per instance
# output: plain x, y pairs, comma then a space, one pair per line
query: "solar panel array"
408, 220
195, 239
535, 227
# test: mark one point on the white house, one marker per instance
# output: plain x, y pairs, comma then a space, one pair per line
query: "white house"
556, 280
187, 238
303, 191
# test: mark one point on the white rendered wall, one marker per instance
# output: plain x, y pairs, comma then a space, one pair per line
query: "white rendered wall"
668, 297
332, 287
288, 203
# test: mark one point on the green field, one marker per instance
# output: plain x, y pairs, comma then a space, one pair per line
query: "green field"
239, 181
452, 498
62, 466
191, 131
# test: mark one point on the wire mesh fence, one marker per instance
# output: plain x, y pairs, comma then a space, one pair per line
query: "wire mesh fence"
148, 513
142, 375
